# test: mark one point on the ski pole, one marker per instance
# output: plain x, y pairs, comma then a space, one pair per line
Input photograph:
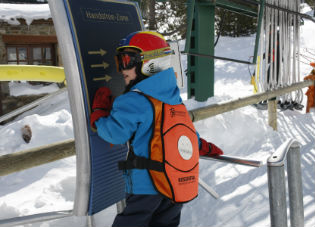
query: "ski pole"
208, 188
234, 160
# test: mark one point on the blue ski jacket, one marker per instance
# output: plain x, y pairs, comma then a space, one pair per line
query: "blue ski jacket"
132, 115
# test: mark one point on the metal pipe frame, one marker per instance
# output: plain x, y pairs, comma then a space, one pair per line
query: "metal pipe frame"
277, 196
289, 150
234, 160
31, 105
295, 187
121, 206
66, 44
35, 218
269, 5
58, 12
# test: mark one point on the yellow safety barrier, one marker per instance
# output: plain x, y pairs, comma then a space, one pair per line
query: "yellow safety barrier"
32, 73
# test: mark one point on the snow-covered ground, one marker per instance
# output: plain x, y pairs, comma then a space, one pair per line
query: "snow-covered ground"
244, 132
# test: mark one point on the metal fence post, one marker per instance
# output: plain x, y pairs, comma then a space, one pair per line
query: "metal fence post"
295, 187
289, 150
121, 205
277, 196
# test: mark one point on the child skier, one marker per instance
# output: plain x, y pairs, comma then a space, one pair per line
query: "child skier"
161, 170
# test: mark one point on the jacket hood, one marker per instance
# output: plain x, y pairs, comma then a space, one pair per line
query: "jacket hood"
161, 86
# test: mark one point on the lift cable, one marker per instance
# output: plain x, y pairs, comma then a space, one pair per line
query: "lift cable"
220, 58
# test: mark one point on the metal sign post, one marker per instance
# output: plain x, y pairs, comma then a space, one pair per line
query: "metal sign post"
88, 33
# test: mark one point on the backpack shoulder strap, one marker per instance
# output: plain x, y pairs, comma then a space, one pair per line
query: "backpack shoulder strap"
136, 162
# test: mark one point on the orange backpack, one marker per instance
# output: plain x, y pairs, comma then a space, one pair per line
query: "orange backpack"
173, 162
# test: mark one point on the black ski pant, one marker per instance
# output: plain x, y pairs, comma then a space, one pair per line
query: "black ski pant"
148, 211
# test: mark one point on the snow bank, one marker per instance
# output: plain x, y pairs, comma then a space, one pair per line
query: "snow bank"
306, 9
50, 122
24, 88
10, 13
48, 187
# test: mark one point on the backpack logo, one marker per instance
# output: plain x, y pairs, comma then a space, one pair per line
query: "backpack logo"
174, 113
186, 180
185, 147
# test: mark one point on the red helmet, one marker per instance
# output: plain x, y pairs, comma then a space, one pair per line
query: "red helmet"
155, 53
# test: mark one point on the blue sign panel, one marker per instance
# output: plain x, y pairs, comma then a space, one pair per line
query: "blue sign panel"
97, 27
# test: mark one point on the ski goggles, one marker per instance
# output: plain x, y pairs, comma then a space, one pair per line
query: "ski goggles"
127, 60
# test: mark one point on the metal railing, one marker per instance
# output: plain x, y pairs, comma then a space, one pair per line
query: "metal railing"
290, 150
31, 105
30, 219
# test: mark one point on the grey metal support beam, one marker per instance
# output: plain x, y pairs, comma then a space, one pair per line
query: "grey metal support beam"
237, 7
35, 218
31, 105
277, 196
121, 206
295, 186
66, 44
233, 160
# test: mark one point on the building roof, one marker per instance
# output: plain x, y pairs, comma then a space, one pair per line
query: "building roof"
10, 13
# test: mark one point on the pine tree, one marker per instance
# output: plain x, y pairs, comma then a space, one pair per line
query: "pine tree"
167, 17
170, 19
233, 24
311, 3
